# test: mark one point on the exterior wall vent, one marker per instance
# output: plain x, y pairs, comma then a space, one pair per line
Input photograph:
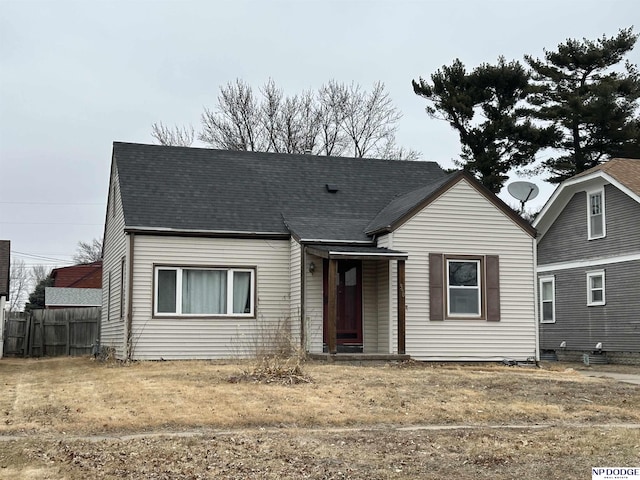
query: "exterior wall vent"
331, 187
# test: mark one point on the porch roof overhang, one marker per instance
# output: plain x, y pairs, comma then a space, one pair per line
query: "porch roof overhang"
352, 252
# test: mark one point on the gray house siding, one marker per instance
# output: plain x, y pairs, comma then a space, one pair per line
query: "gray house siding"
616, 324
566, 240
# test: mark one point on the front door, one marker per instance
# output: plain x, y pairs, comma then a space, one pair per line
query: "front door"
349, 302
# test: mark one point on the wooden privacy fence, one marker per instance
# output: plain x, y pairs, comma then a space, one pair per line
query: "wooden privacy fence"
55, 332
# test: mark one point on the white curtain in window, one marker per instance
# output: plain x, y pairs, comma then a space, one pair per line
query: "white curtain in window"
204, 291
241, 292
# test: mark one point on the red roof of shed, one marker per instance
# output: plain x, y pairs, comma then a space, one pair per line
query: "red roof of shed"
78, 276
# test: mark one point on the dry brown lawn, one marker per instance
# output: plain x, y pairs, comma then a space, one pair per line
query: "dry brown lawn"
76, 418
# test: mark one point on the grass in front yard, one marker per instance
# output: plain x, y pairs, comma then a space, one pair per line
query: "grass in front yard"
350, 422
567, 453
81, 396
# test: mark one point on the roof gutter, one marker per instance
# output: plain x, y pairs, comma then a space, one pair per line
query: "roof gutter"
337, 242
206, 233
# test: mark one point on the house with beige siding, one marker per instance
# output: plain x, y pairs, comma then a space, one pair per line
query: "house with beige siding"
215, 254
589, 266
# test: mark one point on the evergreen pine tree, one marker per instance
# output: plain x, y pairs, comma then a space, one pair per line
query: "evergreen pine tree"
593, 104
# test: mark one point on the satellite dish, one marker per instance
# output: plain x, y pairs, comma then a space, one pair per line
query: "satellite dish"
523, 191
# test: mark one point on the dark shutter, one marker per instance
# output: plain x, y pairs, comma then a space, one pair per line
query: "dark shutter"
493, 288
436, 287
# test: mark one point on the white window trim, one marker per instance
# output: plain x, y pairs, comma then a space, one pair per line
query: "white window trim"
604, 217
480, 273
178, 312
591, 274
542, 280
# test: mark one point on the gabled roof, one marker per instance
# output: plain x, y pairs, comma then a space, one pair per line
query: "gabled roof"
404, 204
201, 190
5, 267
623, 173
315, 199
625, 170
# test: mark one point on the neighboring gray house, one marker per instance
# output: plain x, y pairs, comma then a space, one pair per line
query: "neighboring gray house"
212, 254
5, 274
589, 264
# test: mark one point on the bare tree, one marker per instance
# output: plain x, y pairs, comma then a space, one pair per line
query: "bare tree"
235, 124
391, 151
88, 252
369, 119
179, 136
19, 285
39, 273
337, 119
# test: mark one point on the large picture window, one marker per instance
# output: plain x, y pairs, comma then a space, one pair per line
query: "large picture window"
547, 300
464, 288
595, 214
204, 291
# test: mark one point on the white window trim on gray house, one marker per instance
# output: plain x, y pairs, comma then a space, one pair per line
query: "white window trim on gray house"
591, 289
596, 214
552, 299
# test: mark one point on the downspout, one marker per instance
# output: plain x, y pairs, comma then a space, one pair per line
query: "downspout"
130, 298
303, 283
390, 276
536, 322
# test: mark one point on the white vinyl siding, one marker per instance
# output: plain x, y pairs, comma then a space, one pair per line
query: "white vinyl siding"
547, 300
595, 288
205, 337
596, 221
385, 324
370, 306
112, 329
463, 222
295, 278
313, 305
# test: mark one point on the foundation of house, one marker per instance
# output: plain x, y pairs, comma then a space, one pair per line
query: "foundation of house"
359, 358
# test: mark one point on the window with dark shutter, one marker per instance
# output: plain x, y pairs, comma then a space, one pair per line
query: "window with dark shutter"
464, 287
493, 288
436, 287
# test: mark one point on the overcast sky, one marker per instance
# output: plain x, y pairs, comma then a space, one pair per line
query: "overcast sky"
76, 76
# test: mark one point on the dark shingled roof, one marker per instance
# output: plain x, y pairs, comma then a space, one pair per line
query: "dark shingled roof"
198, 189
5, 267
403, 204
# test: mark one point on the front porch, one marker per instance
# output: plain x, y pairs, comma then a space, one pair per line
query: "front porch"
355, 315
359, 358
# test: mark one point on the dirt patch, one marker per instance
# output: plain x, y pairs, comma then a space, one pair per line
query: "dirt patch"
527, 454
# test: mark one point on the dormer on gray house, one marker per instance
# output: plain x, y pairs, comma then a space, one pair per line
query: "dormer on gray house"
589, 265
214, 254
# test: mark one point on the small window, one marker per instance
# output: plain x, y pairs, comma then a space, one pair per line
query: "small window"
204, 291
547, 300
595, 214
595, 288
464, 288
122, 287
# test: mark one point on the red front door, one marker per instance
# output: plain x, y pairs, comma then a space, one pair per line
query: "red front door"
349, 302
